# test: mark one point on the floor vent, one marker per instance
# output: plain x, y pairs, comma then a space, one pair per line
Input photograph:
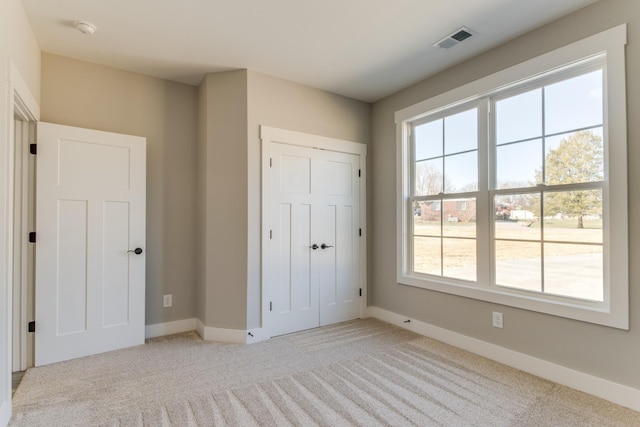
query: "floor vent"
454, 38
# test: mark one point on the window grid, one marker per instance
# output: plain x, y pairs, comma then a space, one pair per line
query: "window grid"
540, 189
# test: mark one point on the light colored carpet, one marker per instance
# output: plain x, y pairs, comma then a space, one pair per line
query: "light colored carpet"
363, 372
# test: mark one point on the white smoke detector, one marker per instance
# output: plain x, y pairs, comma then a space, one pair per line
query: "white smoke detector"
454, 38
86, 27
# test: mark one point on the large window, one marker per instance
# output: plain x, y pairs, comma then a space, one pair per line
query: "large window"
513, 188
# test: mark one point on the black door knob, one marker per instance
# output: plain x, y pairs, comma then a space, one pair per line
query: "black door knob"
314, 246
136, 251
323, 246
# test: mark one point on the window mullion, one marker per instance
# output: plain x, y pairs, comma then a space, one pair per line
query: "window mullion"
483, 202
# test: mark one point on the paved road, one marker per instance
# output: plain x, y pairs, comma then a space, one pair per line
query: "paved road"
577, 276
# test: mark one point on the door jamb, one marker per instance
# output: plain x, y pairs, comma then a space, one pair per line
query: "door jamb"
269, 135
20, 101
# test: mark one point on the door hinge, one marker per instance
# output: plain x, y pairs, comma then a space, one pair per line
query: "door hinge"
360, 291
270, 234
359, 173
360, 232
31, 326
270, 305
270, 162
32, 237
33, 148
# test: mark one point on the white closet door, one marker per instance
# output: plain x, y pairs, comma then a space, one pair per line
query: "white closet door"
314, 238
338, 232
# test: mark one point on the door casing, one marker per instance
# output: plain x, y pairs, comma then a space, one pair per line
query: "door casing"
22, 104
23, 256
269, 135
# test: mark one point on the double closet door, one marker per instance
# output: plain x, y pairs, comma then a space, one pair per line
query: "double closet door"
314, 238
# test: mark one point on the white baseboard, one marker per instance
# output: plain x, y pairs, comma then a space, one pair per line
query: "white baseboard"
609, 390
5, 412
169, 328
229, 336
366, 312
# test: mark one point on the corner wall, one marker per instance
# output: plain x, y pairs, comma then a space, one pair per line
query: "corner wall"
233, 105
597, 350
287, 105
223, 201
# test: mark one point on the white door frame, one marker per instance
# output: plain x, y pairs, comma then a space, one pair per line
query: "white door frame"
269, 135
20, 102
24, 175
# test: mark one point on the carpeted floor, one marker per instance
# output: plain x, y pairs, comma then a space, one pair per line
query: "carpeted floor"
363, 372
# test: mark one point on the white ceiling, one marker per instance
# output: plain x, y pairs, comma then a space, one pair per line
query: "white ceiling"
364, 49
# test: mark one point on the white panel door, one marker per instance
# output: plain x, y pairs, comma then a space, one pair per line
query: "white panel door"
295, 304
314, 231
90, 218
337, 225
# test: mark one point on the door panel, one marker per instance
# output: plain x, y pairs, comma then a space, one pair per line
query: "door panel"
116, 284
90, 210
314, 199
296, 302
339, 198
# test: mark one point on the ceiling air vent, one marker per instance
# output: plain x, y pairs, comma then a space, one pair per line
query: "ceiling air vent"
455, 38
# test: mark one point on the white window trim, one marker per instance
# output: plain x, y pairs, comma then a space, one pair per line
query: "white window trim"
614, 311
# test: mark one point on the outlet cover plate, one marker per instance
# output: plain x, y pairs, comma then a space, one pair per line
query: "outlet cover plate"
167, 301
497, 320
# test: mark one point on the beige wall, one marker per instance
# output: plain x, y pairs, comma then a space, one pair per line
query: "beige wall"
601, 351
223, 200
201, 206
19, 45
284, 104
92, 96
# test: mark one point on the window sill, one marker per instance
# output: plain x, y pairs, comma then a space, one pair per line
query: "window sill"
586, 311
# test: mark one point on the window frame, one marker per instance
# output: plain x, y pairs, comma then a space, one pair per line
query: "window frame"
614, 310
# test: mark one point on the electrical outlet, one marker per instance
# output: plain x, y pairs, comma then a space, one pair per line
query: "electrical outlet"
497, 320
168, 301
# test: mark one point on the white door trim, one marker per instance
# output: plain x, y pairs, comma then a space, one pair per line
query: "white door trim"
269, 135
20, 245
20, 101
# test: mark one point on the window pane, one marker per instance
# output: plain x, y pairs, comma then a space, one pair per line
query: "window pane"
573, 104
427, 255
575, 157
426, 219
459, 258
461, 132
573, 216
428, 140
518, 265
459, 217
517, 216
461, 172
574, 271
519, 165
428, 176
519, 117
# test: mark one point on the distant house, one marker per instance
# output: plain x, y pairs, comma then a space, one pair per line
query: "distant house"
451, 210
